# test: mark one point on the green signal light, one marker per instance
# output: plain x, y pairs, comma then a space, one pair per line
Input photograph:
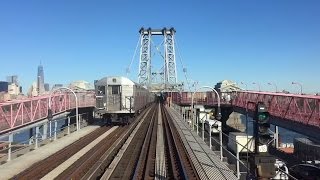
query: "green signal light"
262, 116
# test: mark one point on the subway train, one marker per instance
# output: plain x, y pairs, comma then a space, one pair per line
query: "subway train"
118, 99
306, 150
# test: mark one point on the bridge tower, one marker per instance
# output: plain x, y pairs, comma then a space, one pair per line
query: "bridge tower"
168, 73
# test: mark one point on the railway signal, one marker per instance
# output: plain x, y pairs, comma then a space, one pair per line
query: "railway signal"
261, 128
262, 164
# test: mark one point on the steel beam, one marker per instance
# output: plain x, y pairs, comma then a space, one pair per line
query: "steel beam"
170, 58
168, 72
144, 75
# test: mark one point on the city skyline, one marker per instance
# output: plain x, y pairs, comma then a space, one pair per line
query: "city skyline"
249, 41
252, 86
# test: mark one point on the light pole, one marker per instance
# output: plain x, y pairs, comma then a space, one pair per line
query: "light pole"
274, 84
75, 95
257, 85
218, 117
299, 85
245, 85
218, 114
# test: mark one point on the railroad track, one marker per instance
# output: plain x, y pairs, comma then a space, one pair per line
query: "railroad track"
139, 159
179, 162
40, 169
149, 148
78, 169
125, 167
146, 163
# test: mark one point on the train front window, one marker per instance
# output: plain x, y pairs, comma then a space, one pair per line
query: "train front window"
101, 90
115, 89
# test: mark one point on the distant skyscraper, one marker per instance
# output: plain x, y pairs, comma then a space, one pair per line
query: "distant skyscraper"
12, 79
40, 80
55, 86
4, 86
46, 87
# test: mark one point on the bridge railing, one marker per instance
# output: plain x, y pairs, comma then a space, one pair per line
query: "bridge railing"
303, 109
18, 113
203, 98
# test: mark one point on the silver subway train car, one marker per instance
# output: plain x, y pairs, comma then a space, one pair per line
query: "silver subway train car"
118, 98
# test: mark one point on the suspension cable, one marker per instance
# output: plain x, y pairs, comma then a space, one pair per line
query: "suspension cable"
134, 55
183, 67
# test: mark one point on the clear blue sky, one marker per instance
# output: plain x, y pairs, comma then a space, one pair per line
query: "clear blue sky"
250, 41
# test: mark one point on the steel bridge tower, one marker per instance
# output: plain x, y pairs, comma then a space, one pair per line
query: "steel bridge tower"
168, 72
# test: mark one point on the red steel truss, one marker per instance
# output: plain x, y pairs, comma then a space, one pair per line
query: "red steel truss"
201, 98
17, 113
303, 109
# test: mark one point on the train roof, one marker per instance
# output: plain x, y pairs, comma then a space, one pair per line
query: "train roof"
116, 80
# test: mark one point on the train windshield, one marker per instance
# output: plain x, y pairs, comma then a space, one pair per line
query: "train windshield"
115, 89
101, 90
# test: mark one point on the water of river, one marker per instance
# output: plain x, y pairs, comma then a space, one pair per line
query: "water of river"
285, 135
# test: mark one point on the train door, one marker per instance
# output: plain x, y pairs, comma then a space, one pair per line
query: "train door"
100, 97
114, 98
128, 103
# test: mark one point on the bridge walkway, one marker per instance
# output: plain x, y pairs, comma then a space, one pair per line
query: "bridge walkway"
206, 161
